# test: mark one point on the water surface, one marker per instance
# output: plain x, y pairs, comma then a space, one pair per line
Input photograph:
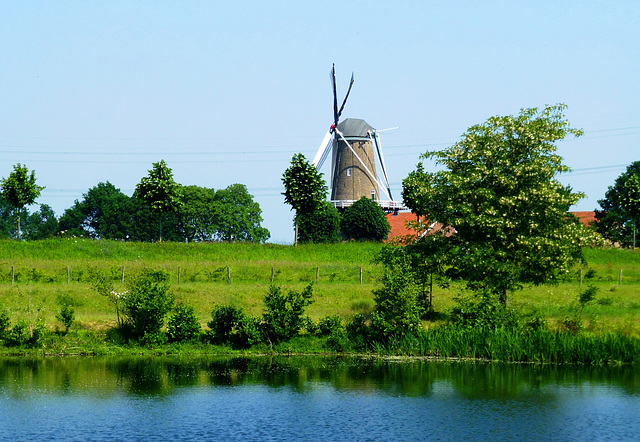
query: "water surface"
312, 398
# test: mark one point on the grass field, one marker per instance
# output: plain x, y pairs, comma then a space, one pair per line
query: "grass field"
34, 276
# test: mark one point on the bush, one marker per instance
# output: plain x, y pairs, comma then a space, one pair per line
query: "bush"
398, 310
66, 315
329, 325
183, 325
4, 324
283, 317
20, 335
365, 220
320, 226
483, 311
230, 325
146, 305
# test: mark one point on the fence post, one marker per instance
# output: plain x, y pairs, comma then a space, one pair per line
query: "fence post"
13, 275
360, 275
317, 274
620, 278
580, 277
123, 274
228, 275
67, 275
178, 275
271, 274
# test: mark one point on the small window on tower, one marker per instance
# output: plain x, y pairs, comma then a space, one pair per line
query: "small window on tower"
348, 171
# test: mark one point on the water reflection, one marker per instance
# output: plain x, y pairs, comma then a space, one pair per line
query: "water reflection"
152, 376
312, 398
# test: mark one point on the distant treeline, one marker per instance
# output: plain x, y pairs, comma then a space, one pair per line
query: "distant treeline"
105, 212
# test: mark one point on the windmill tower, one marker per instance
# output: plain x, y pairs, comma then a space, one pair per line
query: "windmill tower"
356, 157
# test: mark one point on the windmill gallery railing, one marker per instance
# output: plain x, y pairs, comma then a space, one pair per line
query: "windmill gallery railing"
388, 206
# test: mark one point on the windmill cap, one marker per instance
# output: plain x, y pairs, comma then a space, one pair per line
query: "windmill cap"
354, 128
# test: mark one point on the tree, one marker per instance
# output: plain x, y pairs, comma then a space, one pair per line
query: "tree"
20, 189
159, 190
104, 213
320, 226
618, 219
499, 194
365, 220
41, 224
283, 316
238, 217
198, 213
304, 187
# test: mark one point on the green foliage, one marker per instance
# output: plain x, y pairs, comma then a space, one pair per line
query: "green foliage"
41, 224
397, 308
283, 317
230, 325
304, 188
183, 325
483, 311
22, 334
66, 315
499, 196
159, 190
147, 303
620, 212
321, 225
104, 213
238, 217
20, 189
587, 295
330, 324
5, 324
365, 220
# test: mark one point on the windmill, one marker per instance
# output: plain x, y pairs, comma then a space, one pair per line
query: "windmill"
354, 146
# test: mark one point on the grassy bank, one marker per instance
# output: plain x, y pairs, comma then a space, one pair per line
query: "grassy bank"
36, 276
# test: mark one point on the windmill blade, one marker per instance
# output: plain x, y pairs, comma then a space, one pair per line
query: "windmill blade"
371, 175
376, 141
335, 95
345, 98
323, 151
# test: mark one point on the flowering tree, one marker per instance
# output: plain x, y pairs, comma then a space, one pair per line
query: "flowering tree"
159, 190
498, 191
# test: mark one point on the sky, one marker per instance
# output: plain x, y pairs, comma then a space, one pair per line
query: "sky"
227, 92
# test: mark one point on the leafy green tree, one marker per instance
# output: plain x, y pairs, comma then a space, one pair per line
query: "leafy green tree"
365, 220
238, 217
20, 189
304, 187
159, 190
42, 224
198, 213
320, 226
104, 213
499, 195
66, 315
618, 219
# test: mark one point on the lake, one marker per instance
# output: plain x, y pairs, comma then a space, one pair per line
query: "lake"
312, 398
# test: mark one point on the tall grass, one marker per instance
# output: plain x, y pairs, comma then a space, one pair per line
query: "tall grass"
512, 345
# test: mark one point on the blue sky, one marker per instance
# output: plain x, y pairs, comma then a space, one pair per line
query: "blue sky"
227, 92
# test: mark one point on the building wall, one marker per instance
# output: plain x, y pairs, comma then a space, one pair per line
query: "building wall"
351, 181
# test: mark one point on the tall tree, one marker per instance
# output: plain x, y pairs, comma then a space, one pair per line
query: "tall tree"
365, 220
104, 213
159, 190
198, 213
41, 224
20, 189
498, 192
304, 187
618, 219
238, 217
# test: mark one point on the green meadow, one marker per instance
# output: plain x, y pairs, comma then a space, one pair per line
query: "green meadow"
36, 276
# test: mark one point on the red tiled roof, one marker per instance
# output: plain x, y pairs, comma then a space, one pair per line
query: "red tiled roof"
399, 229
586, 218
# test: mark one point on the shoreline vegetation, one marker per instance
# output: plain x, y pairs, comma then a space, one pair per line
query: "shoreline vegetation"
591, 317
